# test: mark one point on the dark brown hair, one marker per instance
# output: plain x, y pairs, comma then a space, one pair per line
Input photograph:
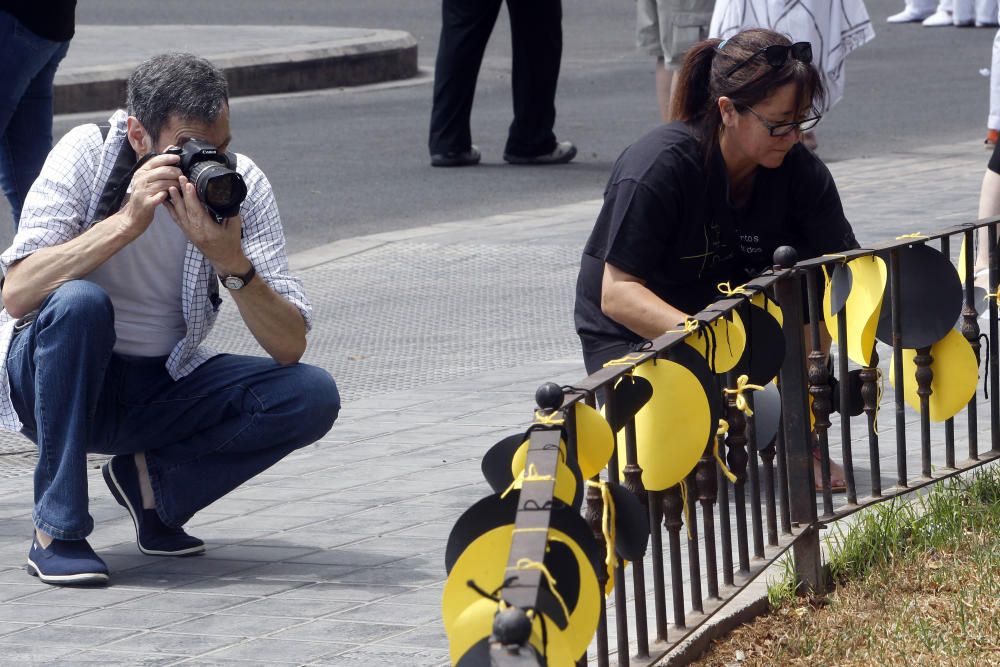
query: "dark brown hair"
703, 80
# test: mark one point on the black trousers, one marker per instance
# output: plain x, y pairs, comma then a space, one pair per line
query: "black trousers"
536, 35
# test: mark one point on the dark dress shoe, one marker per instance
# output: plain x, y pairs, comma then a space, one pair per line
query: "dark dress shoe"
561, 154
462, 159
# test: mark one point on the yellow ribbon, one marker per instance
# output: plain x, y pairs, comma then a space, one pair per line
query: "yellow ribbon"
914, 235
555, 419
690, 326
994, 295
724, 288
742, 385
531, 476
628, 360
833, 254
528, 564
720, 433
607, 525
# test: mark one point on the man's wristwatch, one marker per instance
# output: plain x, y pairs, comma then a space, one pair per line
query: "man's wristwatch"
235, 281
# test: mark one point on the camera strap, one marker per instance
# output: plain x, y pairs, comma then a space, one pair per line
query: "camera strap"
117, 183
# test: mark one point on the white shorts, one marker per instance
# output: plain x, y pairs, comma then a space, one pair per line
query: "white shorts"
668, 28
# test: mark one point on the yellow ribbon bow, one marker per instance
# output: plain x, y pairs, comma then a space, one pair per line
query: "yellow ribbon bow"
724, 288
742, 385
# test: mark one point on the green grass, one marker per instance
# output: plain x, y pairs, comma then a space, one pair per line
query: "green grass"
917, 583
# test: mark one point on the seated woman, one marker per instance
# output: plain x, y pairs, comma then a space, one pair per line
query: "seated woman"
709, 197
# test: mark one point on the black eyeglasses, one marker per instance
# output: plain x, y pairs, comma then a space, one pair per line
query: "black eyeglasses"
784, 129
777, 55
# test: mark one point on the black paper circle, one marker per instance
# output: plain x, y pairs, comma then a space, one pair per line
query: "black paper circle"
840, 287
496, 462
628, 397
930, 298
765, 349
493, 511
631, 523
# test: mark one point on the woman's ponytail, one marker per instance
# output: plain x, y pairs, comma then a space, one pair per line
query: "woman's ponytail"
692, 89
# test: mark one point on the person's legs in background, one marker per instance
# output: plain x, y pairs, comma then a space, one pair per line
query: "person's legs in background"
28, 66
536, 42
664, 89
986, 14
465, 30
666, 29
943, 16
914, 11
993, 120
964, 13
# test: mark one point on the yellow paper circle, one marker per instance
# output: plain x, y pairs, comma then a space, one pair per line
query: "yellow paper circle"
594, 440
729, 340
565, 489
521, 455
485, 560
956, 375
672, 429
476, 623
864, 303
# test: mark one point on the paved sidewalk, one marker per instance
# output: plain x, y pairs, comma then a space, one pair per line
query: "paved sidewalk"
439, 337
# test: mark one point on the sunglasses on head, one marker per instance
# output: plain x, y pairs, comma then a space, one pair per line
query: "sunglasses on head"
777, 54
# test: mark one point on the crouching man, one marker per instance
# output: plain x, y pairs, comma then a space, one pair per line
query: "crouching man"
111, 285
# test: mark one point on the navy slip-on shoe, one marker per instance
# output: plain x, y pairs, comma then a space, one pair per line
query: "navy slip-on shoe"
154, 537
67, 563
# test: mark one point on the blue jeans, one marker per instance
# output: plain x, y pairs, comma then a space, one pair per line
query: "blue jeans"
203, 435
27, 69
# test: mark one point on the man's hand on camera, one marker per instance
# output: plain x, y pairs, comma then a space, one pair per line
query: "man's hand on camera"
151, 184
220, 243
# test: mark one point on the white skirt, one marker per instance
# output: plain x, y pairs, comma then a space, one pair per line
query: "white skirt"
833, 27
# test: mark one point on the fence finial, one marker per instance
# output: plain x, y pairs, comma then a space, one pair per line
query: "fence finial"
785, 257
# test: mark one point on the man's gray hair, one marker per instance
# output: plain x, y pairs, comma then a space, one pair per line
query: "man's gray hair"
176, 84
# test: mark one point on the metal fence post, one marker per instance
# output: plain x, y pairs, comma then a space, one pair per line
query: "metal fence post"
795, 423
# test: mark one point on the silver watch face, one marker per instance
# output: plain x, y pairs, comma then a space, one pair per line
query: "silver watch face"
233, 282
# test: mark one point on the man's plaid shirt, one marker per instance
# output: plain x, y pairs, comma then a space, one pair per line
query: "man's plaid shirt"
62, 203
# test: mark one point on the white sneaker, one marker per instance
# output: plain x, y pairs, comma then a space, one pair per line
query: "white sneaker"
938, 19
908, 15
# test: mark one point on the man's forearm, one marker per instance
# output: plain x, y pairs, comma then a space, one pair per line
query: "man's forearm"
29, 281
276, 324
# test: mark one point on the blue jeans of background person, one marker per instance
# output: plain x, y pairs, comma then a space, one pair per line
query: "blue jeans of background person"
27, 69
203, 435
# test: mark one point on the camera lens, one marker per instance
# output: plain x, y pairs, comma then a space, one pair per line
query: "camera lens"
221, 188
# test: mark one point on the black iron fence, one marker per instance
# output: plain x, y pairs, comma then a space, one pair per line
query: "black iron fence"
541, 591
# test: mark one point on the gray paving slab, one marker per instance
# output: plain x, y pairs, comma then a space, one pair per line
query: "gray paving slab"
107, 657
275, 651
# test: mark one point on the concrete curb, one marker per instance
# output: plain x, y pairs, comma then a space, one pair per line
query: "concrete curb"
363, 57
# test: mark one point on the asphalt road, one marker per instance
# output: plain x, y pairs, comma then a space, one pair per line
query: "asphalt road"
352, 162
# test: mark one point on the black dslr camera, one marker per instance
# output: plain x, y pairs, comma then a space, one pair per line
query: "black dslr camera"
219, 187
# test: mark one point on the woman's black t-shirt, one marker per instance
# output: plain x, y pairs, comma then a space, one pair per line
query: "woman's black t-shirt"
667, 219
